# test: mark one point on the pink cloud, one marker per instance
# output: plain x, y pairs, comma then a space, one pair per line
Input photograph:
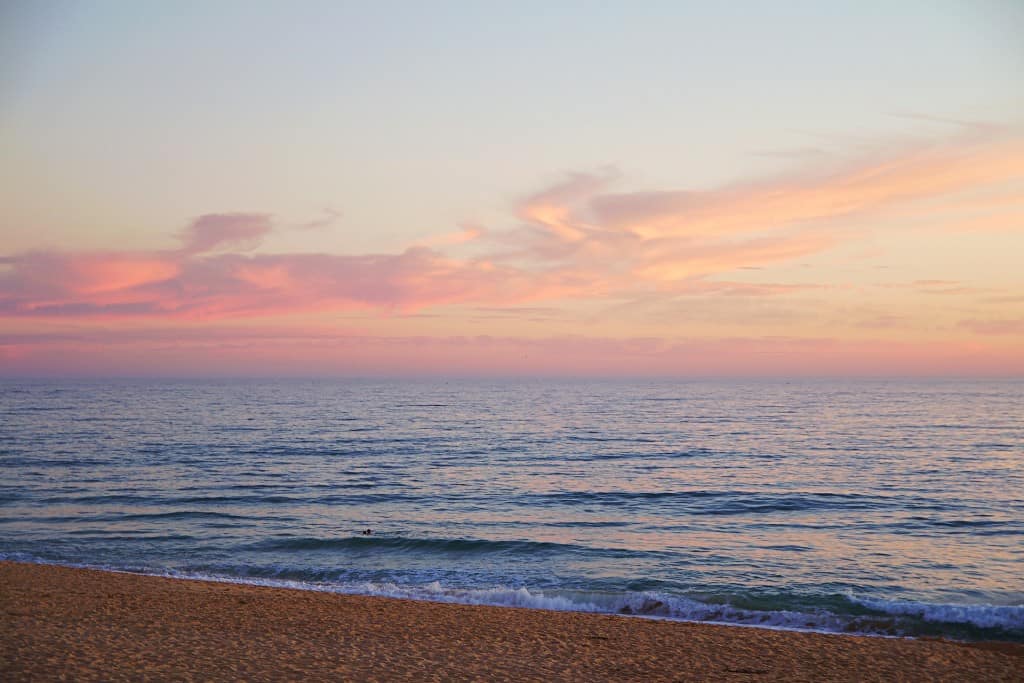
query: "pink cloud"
52, 276
183, 284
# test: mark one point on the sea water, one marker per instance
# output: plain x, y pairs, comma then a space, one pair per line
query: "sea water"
880, 507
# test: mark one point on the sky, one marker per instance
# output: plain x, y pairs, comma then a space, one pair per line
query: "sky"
534, 188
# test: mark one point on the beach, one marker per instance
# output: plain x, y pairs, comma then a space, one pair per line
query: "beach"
79, 624
473, 341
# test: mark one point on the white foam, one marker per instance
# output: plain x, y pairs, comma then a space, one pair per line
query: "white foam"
1009, 617
644, 604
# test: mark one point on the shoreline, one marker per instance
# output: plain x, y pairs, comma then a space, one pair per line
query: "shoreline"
334, 589
63, 621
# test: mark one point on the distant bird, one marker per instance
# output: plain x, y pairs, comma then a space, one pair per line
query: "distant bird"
367, 532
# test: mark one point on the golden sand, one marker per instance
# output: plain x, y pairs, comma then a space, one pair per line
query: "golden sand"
75, 624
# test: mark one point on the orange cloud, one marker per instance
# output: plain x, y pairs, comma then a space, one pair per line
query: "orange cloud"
861, 188
667, 239
672, 261
552, 209
469, 233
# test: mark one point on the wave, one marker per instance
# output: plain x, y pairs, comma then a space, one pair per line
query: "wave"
687, 502
1007, 617
155, 498
135, 517
725, 503
445, 546
181, 514
105, 536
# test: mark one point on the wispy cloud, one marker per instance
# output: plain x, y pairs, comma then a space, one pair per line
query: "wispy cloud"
238, 231
328, 218
774, 204
995, 327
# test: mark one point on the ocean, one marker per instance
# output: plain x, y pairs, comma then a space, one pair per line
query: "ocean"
884, 507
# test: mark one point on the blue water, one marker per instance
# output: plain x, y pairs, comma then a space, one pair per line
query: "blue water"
881, 507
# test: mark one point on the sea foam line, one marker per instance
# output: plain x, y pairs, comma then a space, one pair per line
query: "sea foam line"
644, 604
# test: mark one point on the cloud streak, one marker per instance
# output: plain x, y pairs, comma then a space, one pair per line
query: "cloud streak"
238, 351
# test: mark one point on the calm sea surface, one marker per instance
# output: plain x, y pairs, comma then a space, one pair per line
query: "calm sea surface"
885, 507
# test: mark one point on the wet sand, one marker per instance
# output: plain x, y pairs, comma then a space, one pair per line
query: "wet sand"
75, 624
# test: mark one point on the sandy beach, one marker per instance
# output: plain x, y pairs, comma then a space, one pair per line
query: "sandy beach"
61, 623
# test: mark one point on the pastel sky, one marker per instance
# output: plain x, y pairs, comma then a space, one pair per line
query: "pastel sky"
517, 188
